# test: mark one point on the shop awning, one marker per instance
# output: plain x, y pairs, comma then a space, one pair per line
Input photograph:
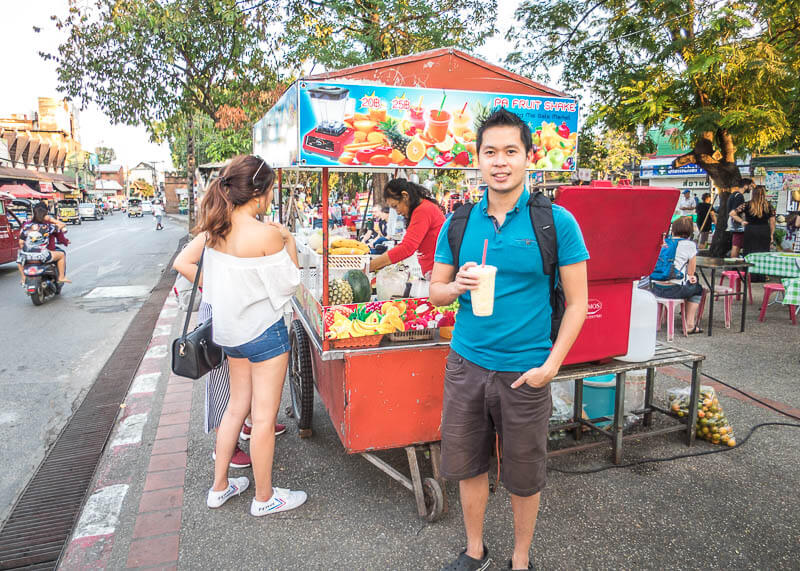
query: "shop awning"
22, 191
61, 187
776, 161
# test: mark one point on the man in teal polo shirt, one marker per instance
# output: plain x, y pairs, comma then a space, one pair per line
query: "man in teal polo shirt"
499, 367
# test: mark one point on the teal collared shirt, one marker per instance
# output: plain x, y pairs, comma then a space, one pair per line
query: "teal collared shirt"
516, 337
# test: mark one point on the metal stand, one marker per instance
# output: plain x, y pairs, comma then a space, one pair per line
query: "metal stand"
665, 355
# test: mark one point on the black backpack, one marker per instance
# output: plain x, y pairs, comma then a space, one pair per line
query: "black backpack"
541, 211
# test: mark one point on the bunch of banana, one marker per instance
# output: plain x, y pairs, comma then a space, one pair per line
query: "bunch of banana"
347, 246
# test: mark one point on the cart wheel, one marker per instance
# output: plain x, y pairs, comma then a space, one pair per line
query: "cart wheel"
301, 378
434, 499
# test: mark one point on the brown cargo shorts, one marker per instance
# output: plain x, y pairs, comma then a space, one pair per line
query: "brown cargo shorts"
479, 402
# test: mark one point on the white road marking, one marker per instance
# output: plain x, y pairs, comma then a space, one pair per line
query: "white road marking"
107, 269
145, 383
156, 352
101, 512
119, 291
168, 313
100, 239
8, 417
129, 430
162, 330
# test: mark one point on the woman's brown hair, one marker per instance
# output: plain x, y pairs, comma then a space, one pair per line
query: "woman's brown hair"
245, 178
758, 205
683, 227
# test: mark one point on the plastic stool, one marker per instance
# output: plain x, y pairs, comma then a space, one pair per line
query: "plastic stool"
735, 281
669, 305
728, 303
769, 289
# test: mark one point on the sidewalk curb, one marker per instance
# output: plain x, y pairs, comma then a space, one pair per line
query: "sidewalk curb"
156, 531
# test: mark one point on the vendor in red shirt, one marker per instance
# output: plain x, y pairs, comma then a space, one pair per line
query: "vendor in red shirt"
424, 219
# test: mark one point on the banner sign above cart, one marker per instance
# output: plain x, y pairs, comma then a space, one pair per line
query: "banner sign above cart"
352, 125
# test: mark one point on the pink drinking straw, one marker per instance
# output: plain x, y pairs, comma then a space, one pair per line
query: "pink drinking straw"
485, 245
464, 108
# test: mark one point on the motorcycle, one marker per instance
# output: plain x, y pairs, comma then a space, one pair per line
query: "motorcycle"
41, 276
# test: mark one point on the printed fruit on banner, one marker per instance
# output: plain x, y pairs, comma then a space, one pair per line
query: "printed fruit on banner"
398, 140
360, 286
340, 292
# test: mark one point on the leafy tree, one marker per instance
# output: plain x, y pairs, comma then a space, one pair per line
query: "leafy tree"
339, 33
611, 155
105, 155
158, 62
726, 71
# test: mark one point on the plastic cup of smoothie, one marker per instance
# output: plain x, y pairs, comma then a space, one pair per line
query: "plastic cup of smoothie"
483, 295
438, 124
461, 122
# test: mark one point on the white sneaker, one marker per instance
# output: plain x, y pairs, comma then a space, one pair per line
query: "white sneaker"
282, 500
235, 487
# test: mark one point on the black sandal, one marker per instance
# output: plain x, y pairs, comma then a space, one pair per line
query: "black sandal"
695, 330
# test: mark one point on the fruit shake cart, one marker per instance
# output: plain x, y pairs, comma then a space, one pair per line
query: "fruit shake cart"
378, 365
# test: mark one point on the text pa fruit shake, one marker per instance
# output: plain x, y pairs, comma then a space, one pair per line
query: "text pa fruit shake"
483, 296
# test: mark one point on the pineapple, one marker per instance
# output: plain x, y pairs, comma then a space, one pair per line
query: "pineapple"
398, 140
340, 292
480, 113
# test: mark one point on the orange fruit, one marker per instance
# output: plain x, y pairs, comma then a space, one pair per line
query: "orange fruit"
397, 157
415, 150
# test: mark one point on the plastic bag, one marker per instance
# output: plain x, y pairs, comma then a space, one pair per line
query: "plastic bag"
390, 281
712, 424
183, 292
563, 396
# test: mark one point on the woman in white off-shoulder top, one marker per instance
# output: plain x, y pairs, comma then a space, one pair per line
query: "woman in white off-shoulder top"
250, 273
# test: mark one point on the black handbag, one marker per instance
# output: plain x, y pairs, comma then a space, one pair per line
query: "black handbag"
194, 354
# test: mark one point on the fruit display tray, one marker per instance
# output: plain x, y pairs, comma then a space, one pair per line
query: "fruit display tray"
353, 342
413, 335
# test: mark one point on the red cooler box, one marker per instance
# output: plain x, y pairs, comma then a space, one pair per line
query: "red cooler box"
623, 227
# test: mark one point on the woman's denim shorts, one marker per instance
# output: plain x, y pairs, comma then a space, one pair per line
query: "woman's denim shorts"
273, 342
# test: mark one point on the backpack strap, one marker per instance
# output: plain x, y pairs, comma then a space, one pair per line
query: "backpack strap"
456, 230
541, 210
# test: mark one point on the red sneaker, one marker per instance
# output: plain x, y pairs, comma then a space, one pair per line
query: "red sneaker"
247, 430
240, 459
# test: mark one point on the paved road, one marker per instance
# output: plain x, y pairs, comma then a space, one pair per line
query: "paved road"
51, 354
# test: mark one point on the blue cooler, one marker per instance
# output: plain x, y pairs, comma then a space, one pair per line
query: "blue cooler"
598, 396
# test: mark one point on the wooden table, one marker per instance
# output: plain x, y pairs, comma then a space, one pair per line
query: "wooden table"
665, 355
741, 266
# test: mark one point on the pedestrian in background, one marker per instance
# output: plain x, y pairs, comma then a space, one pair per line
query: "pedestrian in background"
685, 287
705, 218
735, 227
757, 217
158, 213
686, 203
251, 272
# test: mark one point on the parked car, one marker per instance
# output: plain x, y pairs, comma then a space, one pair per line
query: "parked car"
147, 207
90, 210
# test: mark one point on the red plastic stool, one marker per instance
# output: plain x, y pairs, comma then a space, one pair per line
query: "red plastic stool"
728, 303
669, 305
769, 289
735, 282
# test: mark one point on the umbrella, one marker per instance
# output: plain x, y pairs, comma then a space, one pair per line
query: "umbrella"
22, 191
